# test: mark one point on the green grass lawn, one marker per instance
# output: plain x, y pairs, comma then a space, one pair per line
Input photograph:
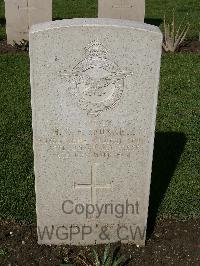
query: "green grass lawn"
175, 187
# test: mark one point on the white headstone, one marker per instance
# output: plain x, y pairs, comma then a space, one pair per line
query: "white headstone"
94, 95
22, 14
122, 9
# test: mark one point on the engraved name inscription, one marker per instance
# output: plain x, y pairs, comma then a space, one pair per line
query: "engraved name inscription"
100, 143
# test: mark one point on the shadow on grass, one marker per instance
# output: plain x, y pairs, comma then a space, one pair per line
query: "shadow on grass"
59, 18
167, 151
153, 21
2, 21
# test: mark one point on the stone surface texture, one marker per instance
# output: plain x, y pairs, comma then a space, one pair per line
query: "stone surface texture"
94, 86
122, 9
22, 14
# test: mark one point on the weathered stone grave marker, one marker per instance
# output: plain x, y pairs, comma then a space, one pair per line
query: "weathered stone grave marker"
94, 89
22, 14
122, 9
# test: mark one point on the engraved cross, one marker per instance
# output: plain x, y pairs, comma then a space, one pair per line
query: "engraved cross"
92, 186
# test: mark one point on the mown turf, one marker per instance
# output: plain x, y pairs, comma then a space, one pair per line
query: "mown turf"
175, 181
16, 157
177, 148
187, 10
74, 9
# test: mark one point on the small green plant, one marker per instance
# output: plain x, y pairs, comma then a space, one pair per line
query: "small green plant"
3, 253
108, 259
23, 45
173, 37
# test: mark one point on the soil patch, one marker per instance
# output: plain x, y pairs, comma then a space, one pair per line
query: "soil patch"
7, 48
172, 243
190, 46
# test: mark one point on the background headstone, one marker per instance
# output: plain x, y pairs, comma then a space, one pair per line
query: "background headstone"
94, 95
22, 14
122, 9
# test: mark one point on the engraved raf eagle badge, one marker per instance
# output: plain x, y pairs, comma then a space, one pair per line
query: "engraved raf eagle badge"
96, 81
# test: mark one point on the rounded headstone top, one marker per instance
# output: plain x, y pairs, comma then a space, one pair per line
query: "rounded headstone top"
94, 22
